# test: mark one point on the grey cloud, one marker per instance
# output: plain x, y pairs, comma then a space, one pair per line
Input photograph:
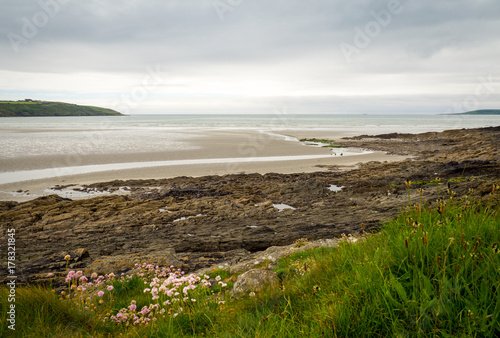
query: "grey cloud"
180, 30
292, 40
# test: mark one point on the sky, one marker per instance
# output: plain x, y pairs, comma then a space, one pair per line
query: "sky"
254, 56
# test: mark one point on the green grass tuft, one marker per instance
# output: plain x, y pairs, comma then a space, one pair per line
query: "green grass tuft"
326, 142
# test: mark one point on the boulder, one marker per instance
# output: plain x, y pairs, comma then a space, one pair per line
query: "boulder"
254, 281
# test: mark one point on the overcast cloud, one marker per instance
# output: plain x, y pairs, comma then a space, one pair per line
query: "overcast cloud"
250, 56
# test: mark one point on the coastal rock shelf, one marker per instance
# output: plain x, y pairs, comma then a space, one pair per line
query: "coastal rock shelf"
198, 223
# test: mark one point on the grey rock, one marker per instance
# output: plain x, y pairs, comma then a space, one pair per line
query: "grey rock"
254, 281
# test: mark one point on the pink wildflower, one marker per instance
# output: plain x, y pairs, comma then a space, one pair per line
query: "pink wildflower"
100, 293
144, 310
110, 287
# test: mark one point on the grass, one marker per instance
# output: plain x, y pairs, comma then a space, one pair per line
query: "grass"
433, 271
436, 181
39, 312
326, 142
317, 140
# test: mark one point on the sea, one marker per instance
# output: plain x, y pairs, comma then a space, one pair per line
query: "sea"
367, 122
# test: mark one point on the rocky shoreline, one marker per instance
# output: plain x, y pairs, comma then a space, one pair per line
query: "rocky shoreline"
232, 220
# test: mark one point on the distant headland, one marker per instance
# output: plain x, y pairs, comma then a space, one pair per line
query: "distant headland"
30, 107
482, 112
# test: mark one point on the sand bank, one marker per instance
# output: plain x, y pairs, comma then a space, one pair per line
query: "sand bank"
215, 152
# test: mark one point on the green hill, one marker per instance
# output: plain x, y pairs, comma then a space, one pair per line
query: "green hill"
483, 112
45, 108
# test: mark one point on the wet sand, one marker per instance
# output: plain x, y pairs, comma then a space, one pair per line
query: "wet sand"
267, 149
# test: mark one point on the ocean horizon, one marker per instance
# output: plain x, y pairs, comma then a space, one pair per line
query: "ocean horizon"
425, 122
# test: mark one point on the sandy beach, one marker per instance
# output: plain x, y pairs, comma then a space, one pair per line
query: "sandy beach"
211, 152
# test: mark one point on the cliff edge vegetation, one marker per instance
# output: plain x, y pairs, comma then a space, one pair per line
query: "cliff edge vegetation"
45, 108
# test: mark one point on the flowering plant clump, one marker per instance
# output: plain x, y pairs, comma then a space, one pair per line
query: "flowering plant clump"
85, 291
172, 293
